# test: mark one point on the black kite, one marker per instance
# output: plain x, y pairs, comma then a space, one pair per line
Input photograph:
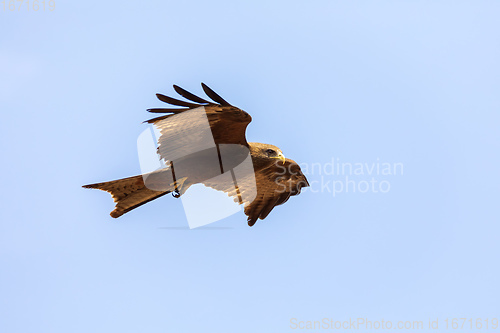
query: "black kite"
273, 177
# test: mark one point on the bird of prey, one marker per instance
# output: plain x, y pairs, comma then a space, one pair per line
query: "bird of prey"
270, 181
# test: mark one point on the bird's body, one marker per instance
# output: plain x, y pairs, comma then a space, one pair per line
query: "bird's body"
199, 143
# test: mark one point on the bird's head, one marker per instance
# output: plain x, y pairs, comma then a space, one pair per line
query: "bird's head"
264, 155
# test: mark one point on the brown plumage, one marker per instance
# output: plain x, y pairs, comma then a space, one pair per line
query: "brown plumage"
191, 159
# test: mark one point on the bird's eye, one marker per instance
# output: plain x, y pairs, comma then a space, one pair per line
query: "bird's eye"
270, 152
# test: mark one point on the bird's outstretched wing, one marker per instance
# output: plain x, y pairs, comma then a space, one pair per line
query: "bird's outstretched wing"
198, 124
275, 185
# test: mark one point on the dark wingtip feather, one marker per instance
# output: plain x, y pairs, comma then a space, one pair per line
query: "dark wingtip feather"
192, 97
154, 120
174, 101
213, 95
251, 221
163, 110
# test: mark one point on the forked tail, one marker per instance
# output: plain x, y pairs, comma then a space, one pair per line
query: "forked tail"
128, 193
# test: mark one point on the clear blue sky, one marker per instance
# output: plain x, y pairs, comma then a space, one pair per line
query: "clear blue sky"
411, 82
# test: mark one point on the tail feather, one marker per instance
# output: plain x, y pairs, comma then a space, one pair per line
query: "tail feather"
128, 193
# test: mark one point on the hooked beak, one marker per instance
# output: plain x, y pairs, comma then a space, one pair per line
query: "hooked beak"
281, 157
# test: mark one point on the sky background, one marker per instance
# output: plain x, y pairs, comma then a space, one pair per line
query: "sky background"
411, 82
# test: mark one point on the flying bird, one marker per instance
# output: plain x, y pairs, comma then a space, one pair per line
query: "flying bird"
199, 142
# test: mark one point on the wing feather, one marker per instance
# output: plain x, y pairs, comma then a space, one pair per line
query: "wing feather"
166, 110
180, 128
175, 101
275, 185
213, 95
192, 97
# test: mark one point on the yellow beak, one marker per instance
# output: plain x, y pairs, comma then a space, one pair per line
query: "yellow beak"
281, 157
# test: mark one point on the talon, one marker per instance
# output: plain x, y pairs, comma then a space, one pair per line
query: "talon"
179, 184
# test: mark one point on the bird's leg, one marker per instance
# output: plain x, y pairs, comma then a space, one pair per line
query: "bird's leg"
179, 187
